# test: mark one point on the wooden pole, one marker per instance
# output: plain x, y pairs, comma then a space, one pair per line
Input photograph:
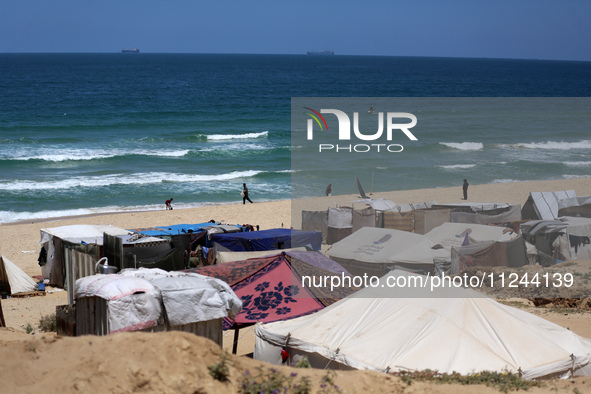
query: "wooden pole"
353, 187
235, 345
2, 322
371, 191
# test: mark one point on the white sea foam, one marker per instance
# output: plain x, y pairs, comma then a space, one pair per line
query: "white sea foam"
464, 145
128, 179
551, 145
578, 163
215, 137
458, 166
505, 180
67, 155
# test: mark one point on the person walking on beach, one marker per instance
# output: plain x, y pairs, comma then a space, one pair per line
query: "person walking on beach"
329, 189
168, 204
245, 194
465, 189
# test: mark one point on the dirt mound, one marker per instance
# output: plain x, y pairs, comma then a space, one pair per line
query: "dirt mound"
170, 362
178, 362
582, 304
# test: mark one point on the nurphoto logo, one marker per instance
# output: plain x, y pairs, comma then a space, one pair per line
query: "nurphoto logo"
344, 130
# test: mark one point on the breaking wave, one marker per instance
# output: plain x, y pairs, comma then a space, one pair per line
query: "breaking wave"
464, 145
219, 137
458, 166
552, 145
77, 154
127, 179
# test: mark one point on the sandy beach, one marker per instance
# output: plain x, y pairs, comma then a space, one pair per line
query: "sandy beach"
19, 244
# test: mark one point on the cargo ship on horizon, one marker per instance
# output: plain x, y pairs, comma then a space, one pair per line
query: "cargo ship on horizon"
133, 50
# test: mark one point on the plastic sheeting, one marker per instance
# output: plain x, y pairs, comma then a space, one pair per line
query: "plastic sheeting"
489, 254
364, 218
513, 214
136, 298
315, 221
340, 217
273, 239
133, 303
453, 330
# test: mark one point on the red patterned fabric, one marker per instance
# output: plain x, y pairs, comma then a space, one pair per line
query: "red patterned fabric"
271, 290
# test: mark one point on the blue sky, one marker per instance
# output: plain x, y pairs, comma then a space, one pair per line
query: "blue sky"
542, 29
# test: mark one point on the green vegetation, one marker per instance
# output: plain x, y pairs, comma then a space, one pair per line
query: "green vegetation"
504, 381
220, 371
273, 381
48, 323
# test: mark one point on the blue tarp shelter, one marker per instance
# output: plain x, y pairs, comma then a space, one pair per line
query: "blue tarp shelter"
176, 229
273, 239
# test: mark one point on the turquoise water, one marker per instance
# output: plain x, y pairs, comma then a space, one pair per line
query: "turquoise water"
83, 133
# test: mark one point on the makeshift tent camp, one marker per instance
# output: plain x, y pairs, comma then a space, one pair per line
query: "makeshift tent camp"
375, 251
273, 239
13, 280
453, 330
544, 205
275, 287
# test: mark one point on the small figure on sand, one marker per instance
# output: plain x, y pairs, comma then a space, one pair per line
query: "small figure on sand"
245, 194
168, 204
371, 111
465, 189
329, 189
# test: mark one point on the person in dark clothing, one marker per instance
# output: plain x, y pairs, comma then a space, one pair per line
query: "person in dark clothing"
168, 204
465, 189
245, 194
329, 189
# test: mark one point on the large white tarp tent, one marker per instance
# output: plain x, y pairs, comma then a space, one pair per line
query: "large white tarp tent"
544, 205
454, 329
14, 280
375, 251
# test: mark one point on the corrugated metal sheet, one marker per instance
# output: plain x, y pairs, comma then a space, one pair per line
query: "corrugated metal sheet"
78, 265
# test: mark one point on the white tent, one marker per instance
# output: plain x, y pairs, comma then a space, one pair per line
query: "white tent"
375, 251
458, 234
544, 205
455, 329
14, 279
